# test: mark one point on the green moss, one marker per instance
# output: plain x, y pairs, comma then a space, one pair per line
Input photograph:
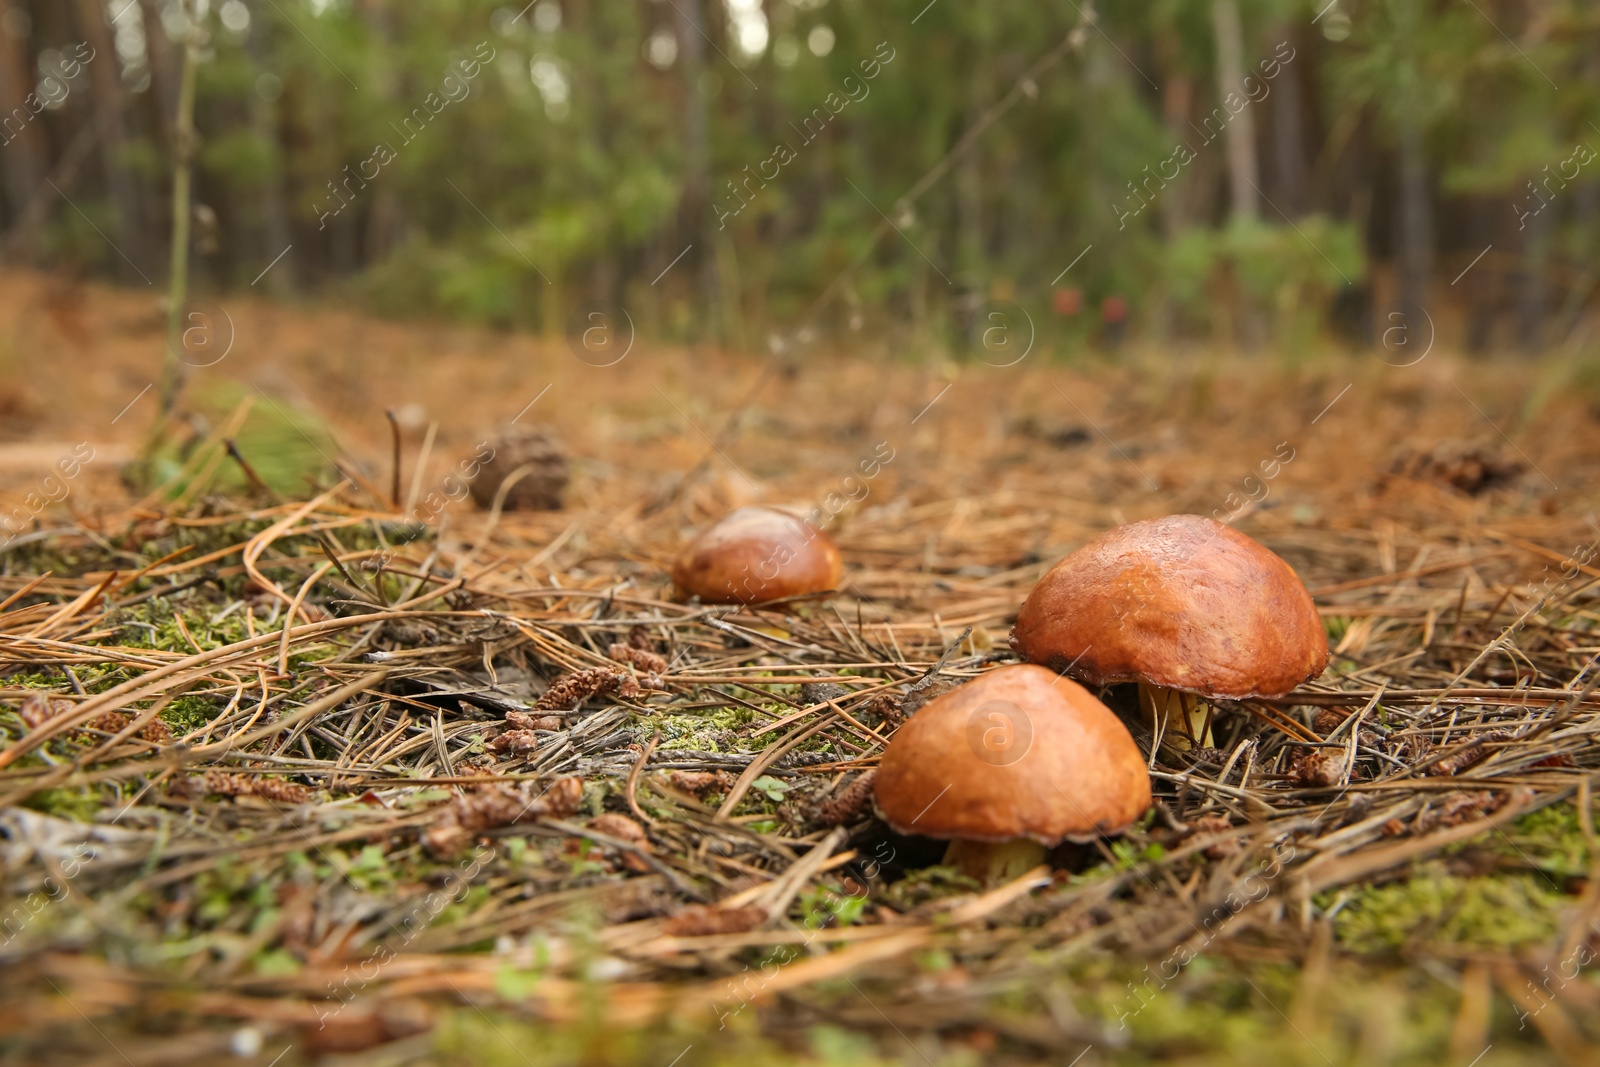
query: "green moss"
711, 730
1433, 906
186, 714
929, 883
1549, 839
78, 804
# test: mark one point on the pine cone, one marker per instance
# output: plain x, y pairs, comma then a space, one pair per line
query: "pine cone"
37, 709
538, 489
850, 802
1467, 756
494, 804
521, 720
223, 784
699, 784
515, 742
1329, 720
1319, 768
647, 661
568, 692
700, 920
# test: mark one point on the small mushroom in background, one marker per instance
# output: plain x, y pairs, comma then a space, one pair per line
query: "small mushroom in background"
757, 555
1189, 608
534, 464
1007, 766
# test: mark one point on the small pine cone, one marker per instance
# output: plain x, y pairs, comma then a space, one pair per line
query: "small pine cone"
849, 803
189, 787
481, 766
561, 798
1329, 720
521, 720
701, 920
645, 660
700, 784
639, 637
488, 807
624, 829
568, 692
515, 742
495, 804
283, 792
446, 838
1461, 807
537, 489
37, 709
887, 706
620, 827
109, 723
156, 732
1467, 756
1319, 769
244, 785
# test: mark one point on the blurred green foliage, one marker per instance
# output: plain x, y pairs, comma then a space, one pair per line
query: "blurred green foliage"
540, 158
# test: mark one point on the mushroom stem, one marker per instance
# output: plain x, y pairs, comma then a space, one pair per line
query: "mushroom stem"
1181, 720
992, 863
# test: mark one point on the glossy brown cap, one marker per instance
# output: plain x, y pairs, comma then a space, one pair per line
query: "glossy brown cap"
756, 555
1017, 752
1184, 602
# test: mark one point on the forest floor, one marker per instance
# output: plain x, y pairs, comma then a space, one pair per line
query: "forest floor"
253, 808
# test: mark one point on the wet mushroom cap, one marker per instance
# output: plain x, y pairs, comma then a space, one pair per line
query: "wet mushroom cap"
1183, 602
1019, 752
756, 555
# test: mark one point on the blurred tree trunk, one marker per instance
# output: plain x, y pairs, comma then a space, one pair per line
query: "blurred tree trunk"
163, 63
969, 224
697, 217
105, 79
1288, 134
1177, 100
1534, 293
1240, 134
24, 151
387, 219
274, 213
1416, 220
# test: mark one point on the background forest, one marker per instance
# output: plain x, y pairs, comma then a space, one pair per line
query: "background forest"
755, 172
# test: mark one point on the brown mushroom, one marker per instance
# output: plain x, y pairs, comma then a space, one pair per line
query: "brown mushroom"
1185, 606
757, 555
1008, 765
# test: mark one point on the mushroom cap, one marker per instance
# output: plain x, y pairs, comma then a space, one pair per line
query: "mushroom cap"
756, 555
1183, 602
1017, 752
